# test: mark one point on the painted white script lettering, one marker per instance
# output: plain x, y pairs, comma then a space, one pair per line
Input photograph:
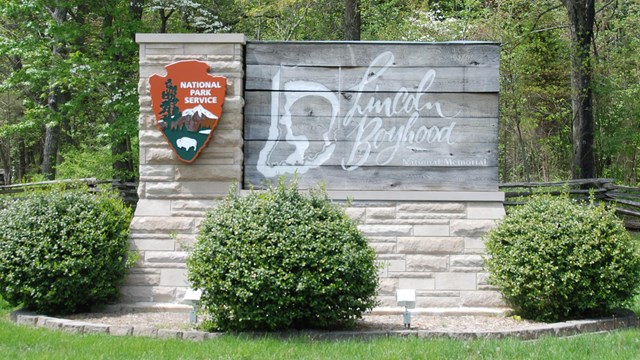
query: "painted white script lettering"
364, 119
368, 133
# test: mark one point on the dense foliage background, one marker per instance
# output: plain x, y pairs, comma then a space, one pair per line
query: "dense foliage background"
68, 73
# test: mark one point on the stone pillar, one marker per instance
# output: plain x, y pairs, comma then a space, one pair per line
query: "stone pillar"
174, 195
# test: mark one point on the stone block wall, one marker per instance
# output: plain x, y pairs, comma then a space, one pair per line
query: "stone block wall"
434, 247
428, 241
174, 195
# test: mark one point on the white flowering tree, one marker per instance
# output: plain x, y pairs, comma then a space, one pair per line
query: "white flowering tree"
198, 16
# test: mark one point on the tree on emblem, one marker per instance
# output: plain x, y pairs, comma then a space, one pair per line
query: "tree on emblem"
169, 110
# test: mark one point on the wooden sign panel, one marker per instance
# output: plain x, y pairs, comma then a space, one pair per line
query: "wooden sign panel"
373, 116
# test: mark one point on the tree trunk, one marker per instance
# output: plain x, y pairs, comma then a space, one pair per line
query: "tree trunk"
164, 19
6, 164
581, 22
50, 150
123, 163
57, 97
135, 9
351, 20
21, 167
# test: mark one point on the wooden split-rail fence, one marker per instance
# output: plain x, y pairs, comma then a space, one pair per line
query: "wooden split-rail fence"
626, 199
127, 190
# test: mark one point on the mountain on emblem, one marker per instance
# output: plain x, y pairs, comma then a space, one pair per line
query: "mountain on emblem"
187, 103
199, 111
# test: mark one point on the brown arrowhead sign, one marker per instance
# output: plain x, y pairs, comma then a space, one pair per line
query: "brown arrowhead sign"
187, 103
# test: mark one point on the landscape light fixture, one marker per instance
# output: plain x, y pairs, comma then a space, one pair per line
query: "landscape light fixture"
192, 297
406, 298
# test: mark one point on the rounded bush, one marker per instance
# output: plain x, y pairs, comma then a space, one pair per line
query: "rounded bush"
280, 259
63, 251
554, 259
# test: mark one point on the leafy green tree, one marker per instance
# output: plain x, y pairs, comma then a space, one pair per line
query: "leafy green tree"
68, 72
39, 53
616, 87
185, 16
77, 80
286, 20
534, 102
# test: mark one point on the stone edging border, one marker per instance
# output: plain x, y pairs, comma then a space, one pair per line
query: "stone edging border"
563, 329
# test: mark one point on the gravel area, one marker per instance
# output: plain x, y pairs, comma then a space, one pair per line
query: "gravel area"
180, 321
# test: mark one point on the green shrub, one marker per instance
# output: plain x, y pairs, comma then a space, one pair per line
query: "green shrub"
555, 259
280, 259
63, 251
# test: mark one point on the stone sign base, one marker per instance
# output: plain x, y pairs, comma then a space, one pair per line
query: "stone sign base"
434, 247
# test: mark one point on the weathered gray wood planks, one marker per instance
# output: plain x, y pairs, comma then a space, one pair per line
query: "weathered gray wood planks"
381, 154
395, 178
373, 116
318, 103
443, 79
467, 129
361, 53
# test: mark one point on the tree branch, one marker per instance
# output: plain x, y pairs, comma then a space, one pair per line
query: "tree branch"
605, 6
564, 26
535, 23
298, 22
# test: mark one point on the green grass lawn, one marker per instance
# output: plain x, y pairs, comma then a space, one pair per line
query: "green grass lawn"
19, 342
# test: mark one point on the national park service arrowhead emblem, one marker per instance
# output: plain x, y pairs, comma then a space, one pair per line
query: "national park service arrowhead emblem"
187, 103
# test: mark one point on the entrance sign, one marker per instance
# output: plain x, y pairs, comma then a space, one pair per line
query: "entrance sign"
407, 131
373, 116
187, 103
